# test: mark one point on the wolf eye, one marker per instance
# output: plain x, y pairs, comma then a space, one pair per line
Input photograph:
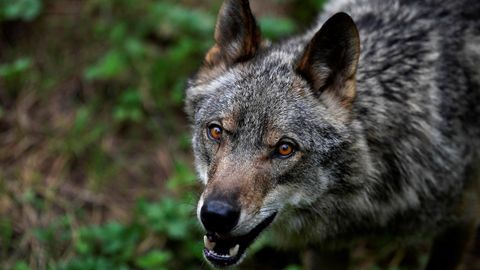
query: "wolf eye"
214, 132
285, 149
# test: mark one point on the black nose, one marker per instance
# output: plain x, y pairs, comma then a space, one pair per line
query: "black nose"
219, 216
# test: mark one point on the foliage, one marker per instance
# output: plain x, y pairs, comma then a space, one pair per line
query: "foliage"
307, 10
20, 9
162, 235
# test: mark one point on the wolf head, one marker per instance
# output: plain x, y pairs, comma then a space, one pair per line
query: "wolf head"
271, 125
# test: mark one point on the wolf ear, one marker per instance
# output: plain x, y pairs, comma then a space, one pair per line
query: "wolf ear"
237, 36
330, 60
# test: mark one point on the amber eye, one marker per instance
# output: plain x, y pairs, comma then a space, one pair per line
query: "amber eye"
285, 149
214, 132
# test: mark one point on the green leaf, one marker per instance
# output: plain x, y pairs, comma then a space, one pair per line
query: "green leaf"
155, 259
16, 68
293, 267
175, 17
134, 47
129, 107
81, 119
20, 9
21, 265
183, 176
108, 67
6, 233
275, 28
82, 247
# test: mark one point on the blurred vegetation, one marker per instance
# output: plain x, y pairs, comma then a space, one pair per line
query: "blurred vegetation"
95, 162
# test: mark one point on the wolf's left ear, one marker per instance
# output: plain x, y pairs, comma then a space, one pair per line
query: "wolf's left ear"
237, 36
330, 60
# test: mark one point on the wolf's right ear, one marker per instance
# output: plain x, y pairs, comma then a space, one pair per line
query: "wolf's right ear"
330, 60
237, 36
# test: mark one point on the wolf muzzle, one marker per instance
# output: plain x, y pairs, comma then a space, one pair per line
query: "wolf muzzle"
219, 216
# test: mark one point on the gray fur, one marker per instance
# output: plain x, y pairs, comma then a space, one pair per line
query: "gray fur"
398, 166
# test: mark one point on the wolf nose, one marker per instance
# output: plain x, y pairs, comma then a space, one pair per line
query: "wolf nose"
218, 216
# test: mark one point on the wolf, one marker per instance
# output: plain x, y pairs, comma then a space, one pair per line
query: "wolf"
366, 126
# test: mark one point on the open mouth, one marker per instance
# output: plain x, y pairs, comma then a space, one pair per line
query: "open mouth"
223, 251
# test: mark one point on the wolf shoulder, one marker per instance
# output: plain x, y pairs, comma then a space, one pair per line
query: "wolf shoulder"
418, 64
